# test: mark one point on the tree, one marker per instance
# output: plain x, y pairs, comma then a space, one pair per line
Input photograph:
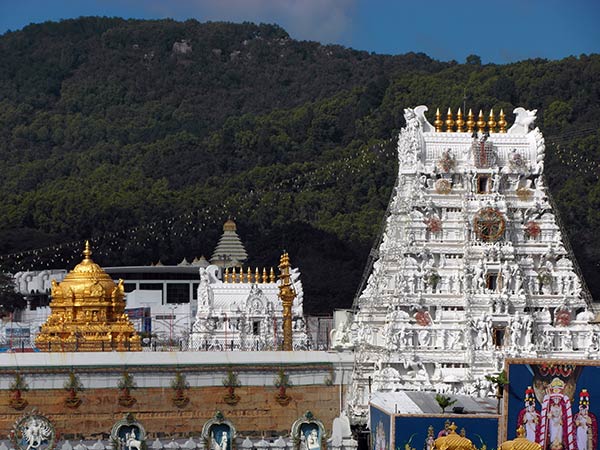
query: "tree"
444, 401
10, 299
499, 380
473, 60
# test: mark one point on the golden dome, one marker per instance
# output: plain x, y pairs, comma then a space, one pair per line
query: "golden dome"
453, 441
87, 313
87, 276
520, 442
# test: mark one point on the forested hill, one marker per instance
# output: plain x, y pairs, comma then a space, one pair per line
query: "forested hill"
147, 135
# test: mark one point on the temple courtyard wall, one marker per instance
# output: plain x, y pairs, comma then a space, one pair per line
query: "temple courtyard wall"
256, 408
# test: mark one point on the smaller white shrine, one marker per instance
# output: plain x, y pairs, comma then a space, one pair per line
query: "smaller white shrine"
241, 310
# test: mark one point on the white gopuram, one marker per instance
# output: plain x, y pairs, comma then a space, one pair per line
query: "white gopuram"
241, 311
472, 265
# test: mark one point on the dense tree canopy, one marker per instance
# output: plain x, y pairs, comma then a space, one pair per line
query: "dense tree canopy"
106, 131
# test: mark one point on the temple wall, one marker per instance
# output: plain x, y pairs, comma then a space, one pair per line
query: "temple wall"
256, 412
316, 379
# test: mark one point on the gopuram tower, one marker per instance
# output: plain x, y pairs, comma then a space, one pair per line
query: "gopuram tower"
472, 266
87, 313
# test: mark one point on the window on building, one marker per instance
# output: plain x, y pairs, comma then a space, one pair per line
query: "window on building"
178, 293
151, 286
483, 184
256, 327
498, 336
129, 287
195, 291
492, 281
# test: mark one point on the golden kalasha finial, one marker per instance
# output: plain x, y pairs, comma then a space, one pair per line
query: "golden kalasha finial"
492, 122
460, 123
226, 277
86, 251
256, 276
502, 122
272, 276
264, 275
470, 122
438, 121
239, 275
449, 122
249, 276
480, 122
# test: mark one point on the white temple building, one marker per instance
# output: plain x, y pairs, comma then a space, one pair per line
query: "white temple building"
472, 266
242, 311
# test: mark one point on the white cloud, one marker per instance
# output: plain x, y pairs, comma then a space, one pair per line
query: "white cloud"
318, 20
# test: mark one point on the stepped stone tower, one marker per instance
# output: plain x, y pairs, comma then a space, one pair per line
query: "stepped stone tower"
87, 313
230, 251
472, 266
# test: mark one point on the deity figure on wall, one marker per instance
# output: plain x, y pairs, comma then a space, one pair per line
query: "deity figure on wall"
528, 417
556, 425
586, 424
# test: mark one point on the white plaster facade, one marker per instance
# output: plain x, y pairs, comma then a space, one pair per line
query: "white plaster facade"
244, 315
472, 268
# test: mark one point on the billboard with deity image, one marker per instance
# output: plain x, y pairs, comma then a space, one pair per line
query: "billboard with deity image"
380, 429
555, 401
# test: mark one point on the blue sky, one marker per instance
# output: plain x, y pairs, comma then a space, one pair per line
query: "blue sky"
499, 31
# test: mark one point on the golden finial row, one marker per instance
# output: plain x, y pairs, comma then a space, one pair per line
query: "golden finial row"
470, 123
248, 276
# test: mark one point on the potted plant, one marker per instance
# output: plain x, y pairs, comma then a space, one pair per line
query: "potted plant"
73, 385
282, 382
179, 384
17, 387
231, 381
126, 385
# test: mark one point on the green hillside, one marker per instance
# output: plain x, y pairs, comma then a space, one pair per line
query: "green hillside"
107, 132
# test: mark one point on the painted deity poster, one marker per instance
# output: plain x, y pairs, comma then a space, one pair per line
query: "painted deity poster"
556, 402
380, 430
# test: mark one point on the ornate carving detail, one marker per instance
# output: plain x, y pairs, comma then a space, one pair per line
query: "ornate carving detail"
282, 382
443, 186
523, 121
179, 384
532, 229
446, 161
126, 385
483, 152
489, 224
17, 387
128, 434
32, 431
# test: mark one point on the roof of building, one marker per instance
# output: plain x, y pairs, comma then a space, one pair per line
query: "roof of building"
420, 402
